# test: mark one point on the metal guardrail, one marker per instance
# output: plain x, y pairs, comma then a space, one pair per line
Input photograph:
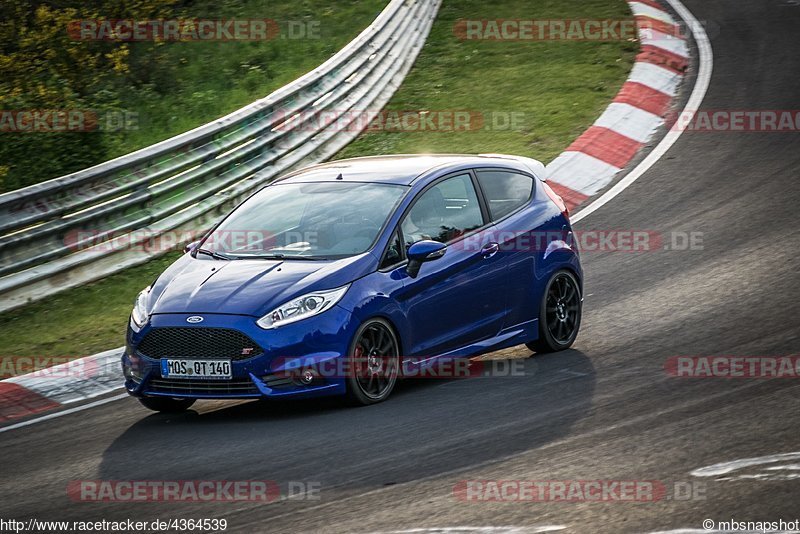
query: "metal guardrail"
49, 239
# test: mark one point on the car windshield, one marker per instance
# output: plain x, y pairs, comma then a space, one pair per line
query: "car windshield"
324, 220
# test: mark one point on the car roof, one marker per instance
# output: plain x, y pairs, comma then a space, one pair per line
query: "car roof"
403, 169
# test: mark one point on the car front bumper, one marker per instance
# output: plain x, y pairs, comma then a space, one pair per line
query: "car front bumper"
319, 342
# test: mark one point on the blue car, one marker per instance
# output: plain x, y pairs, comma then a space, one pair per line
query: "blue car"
340, 278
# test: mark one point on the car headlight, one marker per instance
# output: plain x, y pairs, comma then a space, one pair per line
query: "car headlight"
139, 313
306, 306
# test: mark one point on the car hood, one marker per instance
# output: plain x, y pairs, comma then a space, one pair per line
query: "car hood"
247, 287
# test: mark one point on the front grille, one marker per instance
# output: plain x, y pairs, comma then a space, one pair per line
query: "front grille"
201, 343
243, 386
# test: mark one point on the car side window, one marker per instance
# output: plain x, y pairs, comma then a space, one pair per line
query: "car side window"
443, 212
505, 191
394, 252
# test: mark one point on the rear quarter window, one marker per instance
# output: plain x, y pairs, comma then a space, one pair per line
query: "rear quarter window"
505, 191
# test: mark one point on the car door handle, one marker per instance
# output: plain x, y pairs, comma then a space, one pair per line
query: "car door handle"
490, 250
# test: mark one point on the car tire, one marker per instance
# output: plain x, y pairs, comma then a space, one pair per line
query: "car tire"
373, 363
166, 404
559, 314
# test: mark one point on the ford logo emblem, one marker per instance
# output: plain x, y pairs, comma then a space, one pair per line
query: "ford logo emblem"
194, 319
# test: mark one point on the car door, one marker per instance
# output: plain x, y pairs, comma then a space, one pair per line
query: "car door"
509, 198
457, 299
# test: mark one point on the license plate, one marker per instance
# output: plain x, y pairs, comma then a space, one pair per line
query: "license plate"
213, 369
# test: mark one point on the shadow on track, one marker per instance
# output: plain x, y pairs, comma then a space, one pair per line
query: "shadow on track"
427, 427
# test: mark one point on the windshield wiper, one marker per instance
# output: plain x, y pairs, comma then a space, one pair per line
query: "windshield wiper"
215, 255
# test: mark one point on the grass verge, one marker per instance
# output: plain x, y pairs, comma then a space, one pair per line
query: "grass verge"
522, 97
558, 87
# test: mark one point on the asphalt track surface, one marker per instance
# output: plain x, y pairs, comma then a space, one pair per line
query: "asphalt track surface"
605, 410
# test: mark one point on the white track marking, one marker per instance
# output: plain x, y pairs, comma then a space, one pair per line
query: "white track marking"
706, 66
727, 467
64, 412
788, 467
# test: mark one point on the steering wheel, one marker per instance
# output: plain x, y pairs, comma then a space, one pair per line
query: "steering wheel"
369, 225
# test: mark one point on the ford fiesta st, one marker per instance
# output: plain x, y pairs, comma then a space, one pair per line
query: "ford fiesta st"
338, 278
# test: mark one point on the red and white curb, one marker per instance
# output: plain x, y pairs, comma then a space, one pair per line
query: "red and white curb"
592, 161
60, 385
588, 165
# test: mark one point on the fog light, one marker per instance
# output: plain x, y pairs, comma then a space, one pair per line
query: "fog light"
132, 373
307, 376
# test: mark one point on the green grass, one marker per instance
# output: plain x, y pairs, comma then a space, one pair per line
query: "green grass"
172, 87
207, 81
560, 87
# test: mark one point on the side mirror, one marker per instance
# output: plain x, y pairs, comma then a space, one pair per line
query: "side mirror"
190, 247
423, 251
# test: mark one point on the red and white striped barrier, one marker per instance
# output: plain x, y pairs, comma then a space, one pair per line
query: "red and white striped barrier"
592, 161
